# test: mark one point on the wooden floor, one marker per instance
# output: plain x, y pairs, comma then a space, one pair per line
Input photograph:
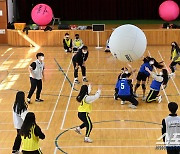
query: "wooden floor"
117, 129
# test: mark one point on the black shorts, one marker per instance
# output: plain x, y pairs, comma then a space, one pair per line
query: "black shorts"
129, 98
141, 76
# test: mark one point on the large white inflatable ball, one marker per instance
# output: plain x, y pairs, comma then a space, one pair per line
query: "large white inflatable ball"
127, 43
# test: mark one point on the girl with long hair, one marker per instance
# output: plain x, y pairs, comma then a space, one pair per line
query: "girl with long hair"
30, 134
85, 108
158, 80
19, 113
175, 57
143, 74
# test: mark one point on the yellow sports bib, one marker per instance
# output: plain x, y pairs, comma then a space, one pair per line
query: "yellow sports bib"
175, 56
84, 107
31, 142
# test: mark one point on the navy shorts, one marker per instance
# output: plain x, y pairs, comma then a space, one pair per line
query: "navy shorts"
141, 76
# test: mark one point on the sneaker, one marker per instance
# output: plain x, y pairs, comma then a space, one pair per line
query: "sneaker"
85, 80
39, 100
78, 130
88, 140
143, 98
123, 102
76, 82
28, 100
171, 75
15, 152
115, 96
135, 95
159, 99
132, 106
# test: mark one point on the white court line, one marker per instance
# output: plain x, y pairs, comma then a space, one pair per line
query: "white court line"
163, 88
141, 146
168, 72
7, 58
59, 95
64, 117
55, 150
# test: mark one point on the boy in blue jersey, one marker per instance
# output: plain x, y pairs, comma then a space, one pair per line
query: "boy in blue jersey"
125, 91
155, 86
143, 74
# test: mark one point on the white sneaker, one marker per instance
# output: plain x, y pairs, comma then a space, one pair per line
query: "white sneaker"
171, 75
143, 98
132, 106
88, 140
135, 95
76, 81
123, 102
15, 152
29, 100
159, 99
78, 130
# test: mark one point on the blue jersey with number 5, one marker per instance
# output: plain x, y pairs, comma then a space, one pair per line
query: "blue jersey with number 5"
124, 87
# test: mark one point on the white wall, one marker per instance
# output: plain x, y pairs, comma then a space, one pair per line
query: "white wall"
10, 10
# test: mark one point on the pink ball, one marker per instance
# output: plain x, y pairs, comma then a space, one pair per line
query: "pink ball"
168, 10
42, 14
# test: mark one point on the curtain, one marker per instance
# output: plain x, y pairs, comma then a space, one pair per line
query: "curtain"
95, 9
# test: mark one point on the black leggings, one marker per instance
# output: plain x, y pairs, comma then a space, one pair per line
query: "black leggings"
17, 142
83, 69
152, 96
84, 117
35, 83
129, 98
172, 66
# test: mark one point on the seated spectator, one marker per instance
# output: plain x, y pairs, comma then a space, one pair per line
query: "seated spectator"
67, 42
77, 43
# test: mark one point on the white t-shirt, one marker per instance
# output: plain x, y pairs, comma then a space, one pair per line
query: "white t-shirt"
18, 119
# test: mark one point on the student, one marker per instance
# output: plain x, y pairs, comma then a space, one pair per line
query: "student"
36, 70
143, 74
125, 91
67, 42
107, 47
30, 134
175, 57
85, 108
79, 59
170, 126
126, 71
155, 86
19, 113
77, 43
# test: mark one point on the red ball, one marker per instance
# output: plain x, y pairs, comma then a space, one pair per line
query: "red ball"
168, 10
42, 14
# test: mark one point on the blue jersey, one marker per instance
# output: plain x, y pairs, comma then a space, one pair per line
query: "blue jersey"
123, 87
156, 85
142, 68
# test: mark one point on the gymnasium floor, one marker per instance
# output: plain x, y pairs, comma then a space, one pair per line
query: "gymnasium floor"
117, 128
